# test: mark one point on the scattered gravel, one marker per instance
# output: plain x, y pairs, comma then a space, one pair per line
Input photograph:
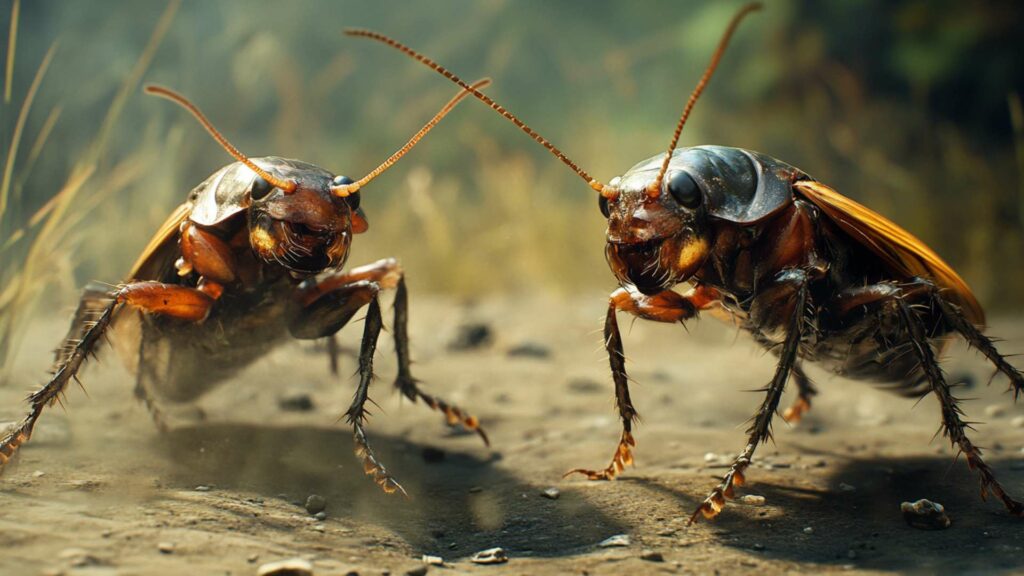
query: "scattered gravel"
472, 337
490, 556
925, 514
315, 503
529, 350
165, 547
301, 402
289, 567
652, 556
615, 541
753, 500
551, 493
432, 560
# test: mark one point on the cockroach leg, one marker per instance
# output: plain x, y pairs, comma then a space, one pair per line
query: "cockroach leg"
388, 274
356, 414
170, 300
667, 306
805, 391
617, 358
975, 338
760, 430
953, 427
85, 334
90, 323
333, 353
409, 385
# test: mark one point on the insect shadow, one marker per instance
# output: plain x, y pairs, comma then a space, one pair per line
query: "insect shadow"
862, 526
454, 497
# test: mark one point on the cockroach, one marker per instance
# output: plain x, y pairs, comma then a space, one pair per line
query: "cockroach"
255, 253
810, 274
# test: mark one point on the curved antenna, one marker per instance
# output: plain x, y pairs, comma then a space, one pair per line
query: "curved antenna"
288, 186
343, 190
655, 187
596, 185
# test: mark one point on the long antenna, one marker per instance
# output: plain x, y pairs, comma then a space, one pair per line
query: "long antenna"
655, 187
343, 190
288, 186
593, 183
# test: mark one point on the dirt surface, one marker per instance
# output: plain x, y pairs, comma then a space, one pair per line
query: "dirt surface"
100, 491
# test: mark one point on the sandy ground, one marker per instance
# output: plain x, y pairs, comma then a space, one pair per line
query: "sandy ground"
100, 491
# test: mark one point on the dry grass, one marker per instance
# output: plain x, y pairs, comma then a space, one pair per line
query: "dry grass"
49, 234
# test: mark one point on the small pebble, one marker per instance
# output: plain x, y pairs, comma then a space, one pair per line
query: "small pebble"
253, 558
529, 350
78, 557
165, 547
995, 410
315, 503
490, 556
321, 515
1017, 422
844, 487
202, 488
925, 514
615, 541
758, 546
753, 500
301, 402
432, 455
471, 337
418, 571
585, 386
433, 560
808, 530
710, 457
652, 556
38, 474
476, 490
289, 567
551, 493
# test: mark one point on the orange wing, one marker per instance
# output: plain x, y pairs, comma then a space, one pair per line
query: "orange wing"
900, 249
168, 230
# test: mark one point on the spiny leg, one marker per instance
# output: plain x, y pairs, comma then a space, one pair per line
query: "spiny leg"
356, 414
333, 352
953, 427
760, 429
667, 306
617, 359
69, 362
409, 385
87, 329
805, 391
983, 343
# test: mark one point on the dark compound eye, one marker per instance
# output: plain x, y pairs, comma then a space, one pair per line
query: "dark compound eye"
682, 187
260, 188
602, 203
352, 199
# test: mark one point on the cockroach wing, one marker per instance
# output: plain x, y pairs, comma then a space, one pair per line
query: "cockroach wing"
162, 248
738, 185
904, 254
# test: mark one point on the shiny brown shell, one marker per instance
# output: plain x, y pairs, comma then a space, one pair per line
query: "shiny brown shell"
226, 192
738, 185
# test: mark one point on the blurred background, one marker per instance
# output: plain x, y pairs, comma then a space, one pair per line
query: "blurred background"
913, 107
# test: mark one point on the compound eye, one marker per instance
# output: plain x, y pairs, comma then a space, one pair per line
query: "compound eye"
682, 187
352, 199
602, 203
260, 188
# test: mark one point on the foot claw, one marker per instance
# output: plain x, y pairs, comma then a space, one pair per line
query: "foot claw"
372, 466
794, 413
623, 457
453, 415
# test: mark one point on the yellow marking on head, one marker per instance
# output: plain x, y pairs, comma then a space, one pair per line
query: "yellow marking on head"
693, 253
262, 240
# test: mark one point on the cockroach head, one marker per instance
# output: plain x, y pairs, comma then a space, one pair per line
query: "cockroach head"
654, 239
301, 216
